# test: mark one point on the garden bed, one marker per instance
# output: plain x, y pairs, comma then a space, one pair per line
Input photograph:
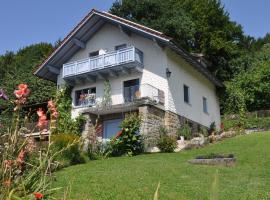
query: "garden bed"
212, 159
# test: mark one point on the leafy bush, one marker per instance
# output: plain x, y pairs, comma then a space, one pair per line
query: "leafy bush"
128, 141
184, 131
166, 143
71, 155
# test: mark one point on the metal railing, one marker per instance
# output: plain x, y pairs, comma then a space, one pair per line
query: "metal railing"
114, 58
136, 92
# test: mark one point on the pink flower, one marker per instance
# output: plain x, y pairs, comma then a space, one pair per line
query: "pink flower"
53, 109
21, 95
42, 121
20, 159
8, 164
7, 183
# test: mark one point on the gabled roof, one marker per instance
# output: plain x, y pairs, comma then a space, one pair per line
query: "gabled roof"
93, 21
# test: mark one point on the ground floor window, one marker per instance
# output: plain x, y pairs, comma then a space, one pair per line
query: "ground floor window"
85, 97
111, 128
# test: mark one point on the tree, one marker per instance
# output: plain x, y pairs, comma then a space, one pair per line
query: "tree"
200, 26
251, 87
18, 68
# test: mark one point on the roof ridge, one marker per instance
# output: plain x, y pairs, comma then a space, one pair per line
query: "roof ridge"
129, 21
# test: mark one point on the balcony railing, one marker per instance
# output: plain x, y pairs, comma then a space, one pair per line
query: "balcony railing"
126, 55
128, 95
138, 92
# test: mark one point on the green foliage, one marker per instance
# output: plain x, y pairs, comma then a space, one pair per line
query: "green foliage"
249, 122
129, 141
166, 143
65, 124
249, 90
16, 68
198, 26
71, 155
184, 131
107, 97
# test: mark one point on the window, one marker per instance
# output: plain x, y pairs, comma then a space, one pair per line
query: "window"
85, 97
121, 46
205, 109
93, 54
131, 90
186, 94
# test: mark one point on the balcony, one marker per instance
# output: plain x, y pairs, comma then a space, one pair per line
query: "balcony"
127, 99
111, 63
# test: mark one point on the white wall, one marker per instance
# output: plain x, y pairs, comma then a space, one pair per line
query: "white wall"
183, 73
156, 60
107, 38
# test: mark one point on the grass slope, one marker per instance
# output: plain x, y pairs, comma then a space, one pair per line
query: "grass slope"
137, 177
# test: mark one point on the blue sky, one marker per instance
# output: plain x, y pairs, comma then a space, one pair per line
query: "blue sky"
25, 22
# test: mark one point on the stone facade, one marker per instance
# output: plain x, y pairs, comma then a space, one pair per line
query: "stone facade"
152, 117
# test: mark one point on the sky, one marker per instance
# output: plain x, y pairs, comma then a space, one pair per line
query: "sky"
25, 22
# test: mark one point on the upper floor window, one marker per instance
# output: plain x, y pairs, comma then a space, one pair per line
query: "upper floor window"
131, 90
93, 53
85, 97
186, 94
205, 107
121, 46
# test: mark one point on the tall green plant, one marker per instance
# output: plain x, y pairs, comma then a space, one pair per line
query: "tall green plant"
65, 123
128, 141
107, 97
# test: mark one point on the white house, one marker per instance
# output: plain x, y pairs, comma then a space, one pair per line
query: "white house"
147, 72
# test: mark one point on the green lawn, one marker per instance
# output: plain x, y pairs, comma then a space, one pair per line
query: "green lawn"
137, 177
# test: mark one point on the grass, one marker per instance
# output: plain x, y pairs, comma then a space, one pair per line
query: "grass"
138, 177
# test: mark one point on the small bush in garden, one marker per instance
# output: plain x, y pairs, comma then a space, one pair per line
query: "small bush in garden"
128, 141
184, 131
96, 150
166, 143
71, 155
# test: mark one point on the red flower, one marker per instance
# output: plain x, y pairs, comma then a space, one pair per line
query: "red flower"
38, 195
119, 134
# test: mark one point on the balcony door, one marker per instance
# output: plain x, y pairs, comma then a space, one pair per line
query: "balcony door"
131, 90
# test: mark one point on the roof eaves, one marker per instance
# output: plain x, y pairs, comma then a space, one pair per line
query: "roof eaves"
198, 66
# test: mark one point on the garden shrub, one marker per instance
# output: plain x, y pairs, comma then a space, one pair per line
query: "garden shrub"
128, 141
184, 131
166, 143
72, 155
96, 150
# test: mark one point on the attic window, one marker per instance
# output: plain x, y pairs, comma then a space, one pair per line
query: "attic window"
93, 53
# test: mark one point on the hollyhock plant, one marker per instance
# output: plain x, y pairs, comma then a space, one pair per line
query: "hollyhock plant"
53, 109
21, 94
42, 120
